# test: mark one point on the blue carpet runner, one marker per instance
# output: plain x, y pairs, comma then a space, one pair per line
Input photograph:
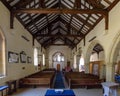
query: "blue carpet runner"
59, 81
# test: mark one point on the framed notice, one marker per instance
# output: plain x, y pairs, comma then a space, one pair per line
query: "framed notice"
23, 57
13, 57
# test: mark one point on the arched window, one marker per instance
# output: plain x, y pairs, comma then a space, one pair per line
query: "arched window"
35, 56
75, 62
81, 65
43, 59
2, 56
58, 57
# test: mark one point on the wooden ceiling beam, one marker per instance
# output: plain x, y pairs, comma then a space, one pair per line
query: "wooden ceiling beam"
69, 24
59, 44
68, 42
52, 44
57, 35
42, 3
11, 20
107, 1
22, 3
96, 4
71, 42
63, 21
38, 18
106, 21
78, 3
113, 4
84, 23
50, 23
82, 20
61, 11
47, 42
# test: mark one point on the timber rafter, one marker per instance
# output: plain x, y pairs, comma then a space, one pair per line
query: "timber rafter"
69, 21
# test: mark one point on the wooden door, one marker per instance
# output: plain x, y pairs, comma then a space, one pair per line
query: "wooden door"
58, 67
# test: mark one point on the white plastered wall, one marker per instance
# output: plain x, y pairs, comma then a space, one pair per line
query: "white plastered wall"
15, 43
106, 38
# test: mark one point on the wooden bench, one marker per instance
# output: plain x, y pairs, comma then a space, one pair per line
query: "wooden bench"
84, 82
2, 88
41, 78
37, 81
77, 79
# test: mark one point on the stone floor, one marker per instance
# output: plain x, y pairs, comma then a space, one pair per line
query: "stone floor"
41, 92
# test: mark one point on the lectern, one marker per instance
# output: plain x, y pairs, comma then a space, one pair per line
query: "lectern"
110, 88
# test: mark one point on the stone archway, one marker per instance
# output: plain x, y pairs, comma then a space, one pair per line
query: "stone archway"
58, 64
88, 54
112, 57
2, 53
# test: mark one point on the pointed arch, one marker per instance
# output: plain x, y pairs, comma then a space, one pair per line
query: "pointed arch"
112, 56
90, 49
115, 47
2, 54
87, 57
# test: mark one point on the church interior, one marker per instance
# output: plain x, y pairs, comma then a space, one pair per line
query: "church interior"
54, 46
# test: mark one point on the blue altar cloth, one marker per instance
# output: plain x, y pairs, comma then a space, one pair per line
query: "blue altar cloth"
51, 92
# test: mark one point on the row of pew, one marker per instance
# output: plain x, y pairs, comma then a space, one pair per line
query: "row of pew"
42, 78
73, 79
80, 79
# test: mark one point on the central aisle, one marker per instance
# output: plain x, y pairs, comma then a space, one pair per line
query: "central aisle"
59, 83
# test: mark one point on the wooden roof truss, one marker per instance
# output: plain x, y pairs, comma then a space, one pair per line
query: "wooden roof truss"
68, 21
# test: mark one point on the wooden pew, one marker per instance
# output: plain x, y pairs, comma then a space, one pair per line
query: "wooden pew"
84, 82
40, 78
77, 79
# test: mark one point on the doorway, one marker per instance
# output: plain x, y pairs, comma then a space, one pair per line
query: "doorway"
58, 67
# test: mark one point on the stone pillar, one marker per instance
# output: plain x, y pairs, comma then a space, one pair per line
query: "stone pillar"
77, 62
110, 72
87, 69
103, 72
